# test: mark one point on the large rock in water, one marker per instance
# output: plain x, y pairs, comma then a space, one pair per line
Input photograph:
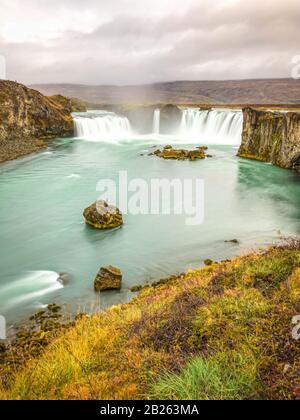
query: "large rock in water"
169, 153
108, 278
102, 216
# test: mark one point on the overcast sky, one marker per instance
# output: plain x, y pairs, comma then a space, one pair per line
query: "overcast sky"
145, 41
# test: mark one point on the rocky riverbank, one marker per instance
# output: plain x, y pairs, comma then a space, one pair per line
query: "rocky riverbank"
225, 331
28, 118
271, 137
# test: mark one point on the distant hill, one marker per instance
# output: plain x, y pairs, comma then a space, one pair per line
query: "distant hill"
267, 91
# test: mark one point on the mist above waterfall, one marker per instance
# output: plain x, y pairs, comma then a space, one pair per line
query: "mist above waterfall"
215, 126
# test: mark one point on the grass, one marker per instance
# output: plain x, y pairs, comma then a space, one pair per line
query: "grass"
221, 332
225, 376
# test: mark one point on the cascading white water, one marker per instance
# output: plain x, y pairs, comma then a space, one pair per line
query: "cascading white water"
156, 121
33, 285
101, 126
216, 126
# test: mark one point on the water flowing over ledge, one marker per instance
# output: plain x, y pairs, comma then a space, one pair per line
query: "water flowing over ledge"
156, 121
214, 126
101, 126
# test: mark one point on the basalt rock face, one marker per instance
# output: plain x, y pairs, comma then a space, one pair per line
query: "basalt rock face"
141, 118
27, 119
272, 137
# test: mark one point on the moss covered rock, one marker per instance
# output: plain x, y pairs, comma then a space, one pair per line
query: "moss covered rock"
100, 215
169, 153
108, 278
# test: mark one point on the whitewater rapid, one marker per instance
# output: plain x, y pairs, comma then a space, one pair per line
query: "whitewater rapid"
214, 126
31, 287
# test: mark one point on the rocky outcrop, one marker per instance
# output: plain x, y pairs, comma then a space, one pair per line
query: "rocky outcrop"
102, 216
141, 118
169, 153
28, 118
271, 137
108, 278
69, 104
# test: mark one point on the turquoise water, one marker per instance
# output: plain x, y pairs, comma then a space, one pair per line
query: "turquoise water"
43, 232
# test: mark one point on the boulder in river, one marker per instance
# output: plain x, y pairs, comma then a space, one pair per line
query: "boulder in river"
108, 278
169, 153
100, 215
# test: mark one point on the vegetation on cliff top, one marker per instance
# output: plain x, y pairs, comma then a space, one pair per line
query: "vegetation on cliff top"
220, 332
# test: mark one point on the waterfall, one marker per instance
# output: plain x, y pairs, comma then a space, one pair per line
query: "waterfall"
156, 121
101, 126
215, 126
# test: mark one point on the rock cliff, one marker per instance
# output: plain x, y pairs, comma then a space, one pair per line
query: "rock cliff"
271, 137
141, 118
27, 118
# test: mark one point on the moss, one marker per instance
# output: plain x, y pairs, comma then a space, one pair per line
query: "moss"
221, 332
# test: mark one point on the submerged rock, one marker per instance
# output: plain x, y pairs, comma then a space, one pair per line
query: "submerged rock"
169, 153
64, 278
233, 241
108, 278
136, 289
100, 215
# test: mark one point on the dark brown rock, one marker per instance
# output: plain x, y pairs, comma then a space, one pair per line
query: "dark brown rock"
108, 278
232, 241
102, 216
169, 153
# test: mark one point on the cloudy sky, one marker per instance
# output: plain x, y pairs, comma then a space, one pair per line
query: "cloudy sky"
145, 41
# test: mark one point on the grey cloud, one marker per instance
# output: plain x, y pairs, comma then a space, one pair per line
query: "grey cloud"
204, 40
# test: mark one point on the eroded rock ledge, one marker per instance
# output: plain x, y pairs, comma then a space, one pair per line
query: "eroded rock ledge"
271, 137
28, 118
